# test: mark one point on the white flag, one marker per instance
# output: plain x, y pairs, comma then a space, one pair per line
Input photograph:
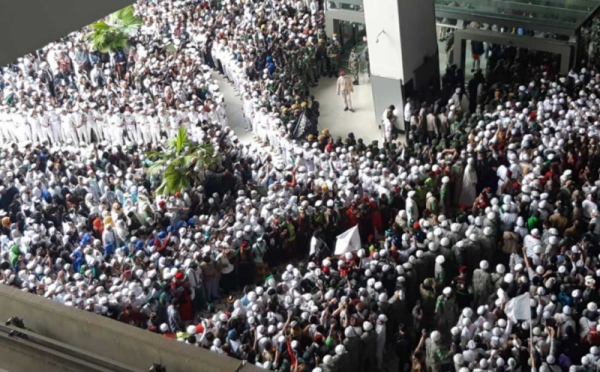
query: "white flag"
518, 308
349, 241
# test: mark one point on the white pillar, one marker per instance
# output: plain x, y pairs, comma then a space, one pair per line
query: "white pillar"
403, 50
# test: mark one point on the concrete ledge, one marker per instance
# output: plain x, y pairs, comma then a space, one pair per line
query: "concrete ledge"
28, 25
126, 344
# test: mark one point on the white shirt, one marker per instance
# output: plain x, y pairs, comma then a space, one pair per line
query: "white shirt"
407, 111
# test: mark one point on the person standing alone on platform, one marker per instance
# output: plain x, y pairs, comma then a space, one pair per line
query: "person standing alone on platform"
345, 88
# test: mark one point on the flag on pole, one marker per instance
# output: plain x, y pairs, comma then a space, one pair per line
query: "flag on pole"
518, 308
349, 241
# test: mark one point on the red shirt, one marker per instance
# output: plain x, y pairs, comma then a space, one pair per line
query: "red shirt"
352, 220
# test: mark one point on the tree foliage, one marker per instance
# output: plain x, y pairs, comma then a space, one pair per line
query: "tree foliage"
178, 164
113, 33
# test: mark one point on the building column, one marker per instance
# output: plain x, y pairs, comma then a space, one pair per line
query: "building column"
403, 51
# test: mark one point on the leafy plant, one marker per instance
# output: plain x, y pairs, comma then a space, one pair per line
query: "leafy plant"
113, 33
178, 164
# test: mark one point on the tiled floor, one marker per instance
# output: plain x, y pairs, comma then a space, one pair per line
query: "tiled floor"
235, 113
339, 122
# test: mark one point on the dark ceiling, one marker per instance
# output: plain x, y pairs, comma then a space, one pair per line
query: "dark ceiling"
27, 25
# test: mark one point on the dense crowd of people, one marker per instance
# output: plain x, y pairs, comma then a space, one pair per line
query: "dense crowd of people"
483, 203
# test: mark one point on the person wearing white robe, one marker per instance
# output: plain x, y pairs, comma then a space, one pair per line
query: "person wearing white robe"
221, 114
468, 192
118, 125
412, 211
380, 329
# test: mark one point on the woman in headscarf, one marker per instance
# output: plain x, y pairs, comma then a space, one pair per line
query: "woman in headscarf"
468, 191
108, 220
98, 228
15, 253
5, 225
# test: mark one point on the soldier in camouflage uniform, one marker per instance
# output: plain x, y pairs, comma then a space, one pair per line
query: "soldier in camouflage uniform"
321, 34
333, 54
321, 58
309, 67
446, 310
354, 63
285, 115
483, 285
299, 87
435, 355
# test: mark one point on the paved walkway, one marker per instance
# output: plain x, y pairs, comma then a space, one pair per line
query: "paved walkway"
339, 122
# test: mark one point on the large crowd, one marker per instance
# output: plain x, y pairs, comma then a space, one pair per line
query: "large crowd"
478, 206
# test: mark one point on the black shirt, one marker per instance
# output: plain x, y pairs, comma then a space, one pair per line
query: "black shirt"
8, 197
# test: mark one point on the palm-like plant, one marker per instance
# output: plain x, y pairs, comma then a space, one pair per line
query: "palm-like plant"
113, 33
179, 164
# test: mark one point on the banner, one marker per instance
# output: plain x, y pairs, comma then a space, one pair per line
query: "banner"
306, 125
518, 308
349, 241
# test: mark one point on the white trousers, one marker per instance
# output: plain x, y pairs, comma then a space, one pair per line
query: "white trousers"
94, 128
155, 135
83, 134
46, 133
347, 99
117, 135
132, 134
144, 133
107, 131
254, 125
11, 133
72, 133
24, 132
248, 121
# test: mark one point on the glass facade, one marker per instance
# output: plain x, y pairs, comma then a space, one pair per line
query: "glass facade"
560, 20
349, 5
561, 17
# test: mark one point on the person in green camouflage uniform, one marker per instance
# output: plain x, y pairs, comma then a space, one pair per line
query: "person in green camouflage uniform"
309, 67
321, 58
321, 34
354, 63
333, 55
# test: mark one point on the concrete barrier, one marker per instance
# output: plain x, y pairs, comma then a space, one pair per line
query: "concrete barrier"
126, 344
